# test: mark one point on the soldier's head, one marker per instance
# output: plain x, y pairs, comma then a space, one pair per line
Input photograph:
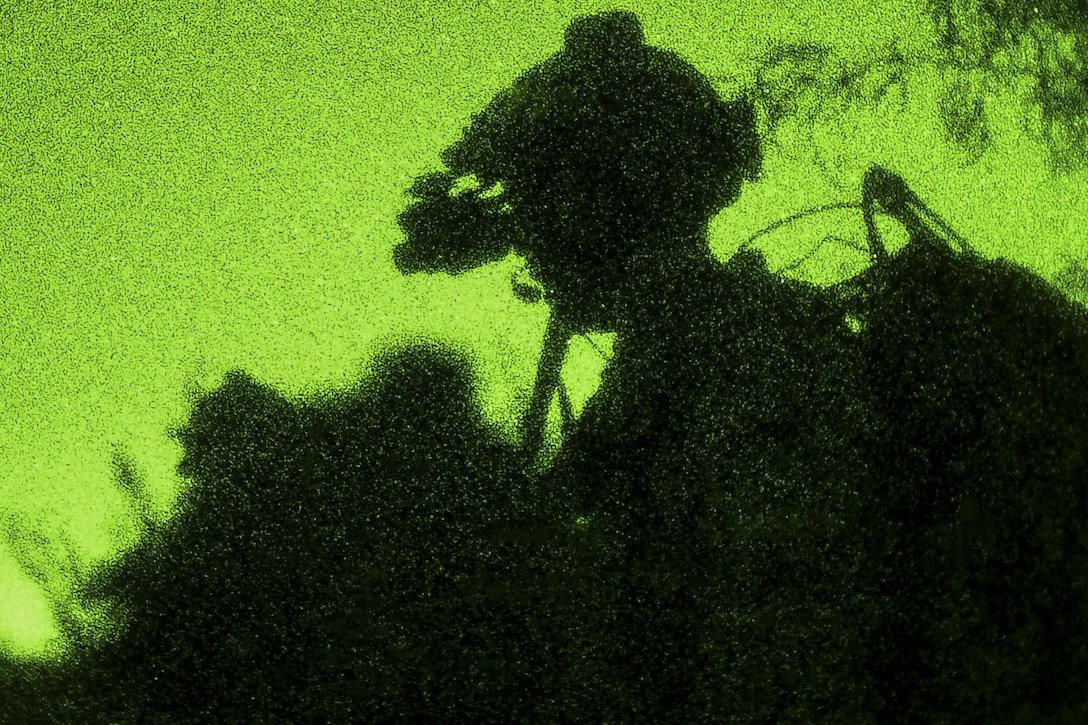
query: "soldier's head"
609, 152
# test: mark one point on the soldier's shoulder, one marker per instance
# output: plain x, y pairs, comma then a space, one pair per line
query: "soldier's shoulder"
752, 295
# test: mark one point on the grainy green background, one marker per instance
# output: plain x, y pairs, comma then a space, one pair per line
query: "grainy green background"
187, 188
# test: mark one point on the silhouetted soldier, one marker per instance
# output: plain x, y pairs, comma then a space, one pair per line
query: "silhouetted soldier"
716, 453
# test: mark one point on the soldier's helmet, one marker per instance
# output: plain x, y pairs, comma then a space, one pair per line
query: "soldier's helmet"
607, 146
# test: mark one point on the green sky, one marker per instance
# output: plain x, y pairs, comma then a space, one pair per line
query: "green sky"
187, 188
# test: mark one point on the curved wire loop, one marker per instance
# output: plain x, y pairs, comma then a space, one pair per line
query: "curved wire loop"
798, 216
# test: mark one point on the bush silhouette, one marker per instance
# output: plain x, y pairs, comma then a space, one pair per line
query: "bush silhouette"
368, 556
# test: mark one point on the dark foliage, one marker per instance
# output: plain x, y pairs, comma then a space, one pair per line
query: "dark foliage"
361, 559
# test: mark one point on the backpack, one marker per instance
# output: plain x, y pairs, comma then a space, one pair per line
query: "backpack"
977, 372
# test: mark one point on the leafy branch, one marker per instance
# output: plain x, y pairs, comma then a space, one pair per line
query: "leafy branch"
983, 47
